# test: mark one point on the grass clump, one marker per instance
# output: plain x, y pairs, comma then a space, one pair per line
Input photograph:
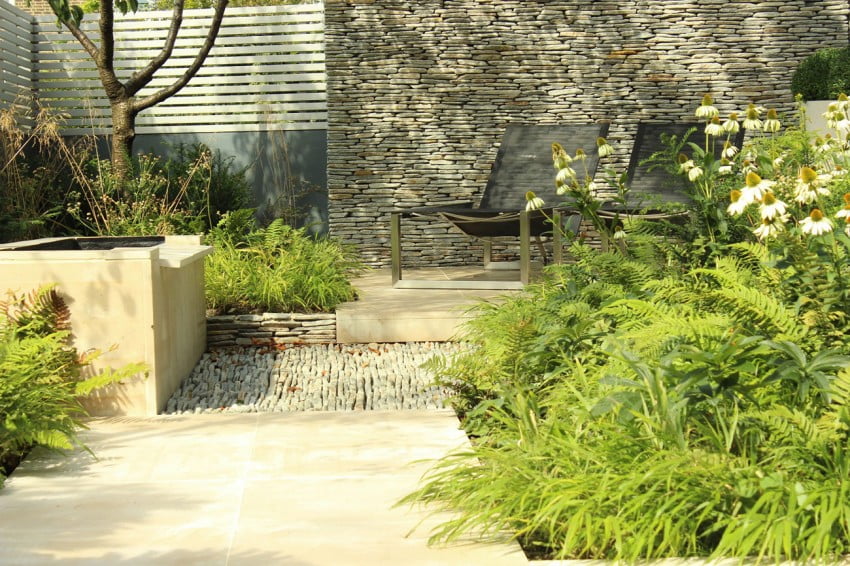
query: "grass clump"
275, 269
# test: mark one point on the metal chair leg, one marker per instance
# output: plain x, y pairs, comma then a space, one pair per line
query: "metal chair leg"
395, 246
524, 248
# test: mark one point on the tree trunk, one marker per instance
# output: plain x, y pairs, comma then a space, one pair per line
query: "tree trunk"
123, 135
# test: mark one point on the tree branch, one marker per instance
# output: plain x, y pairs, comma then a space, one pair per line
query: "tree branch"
161, 95
143, 76
84, 40
105, 59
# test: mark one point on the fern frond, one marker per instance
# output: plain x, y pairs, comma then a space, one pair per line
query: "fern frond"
753, 307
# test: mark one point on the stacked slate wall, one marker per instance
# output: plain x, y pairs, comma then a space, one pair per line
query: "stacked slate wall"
420, 91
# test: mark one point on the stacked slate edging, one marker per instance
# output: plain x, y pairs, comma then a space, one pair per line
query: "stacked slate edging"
270, 328
420, 91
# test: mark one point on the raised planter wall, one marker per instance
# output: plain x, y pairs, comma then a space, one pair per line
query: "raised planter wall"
419, 92
270, 328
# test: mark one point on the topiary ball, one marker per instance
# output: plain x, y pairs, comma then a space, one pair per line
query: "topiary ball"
823, 75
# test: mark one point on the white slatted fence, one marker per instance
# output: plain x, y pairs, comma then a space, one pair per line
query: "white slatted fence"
266, 71
16, 61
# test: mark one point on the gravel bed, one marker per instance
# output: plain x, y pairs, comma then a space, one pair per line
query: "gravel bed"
327, 377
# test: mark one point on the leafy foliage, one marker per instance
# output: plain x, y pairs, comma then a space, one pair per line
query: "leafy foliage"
42, 375
277, 268
679, 397
823, 75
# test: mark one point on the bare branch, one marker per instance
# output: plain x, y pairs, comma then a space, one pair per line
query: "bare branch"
84, 39
163, 94
143, 76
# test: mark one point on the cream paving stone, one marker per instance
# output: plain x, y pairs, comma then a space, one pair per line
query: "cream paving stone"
299, 489
384, 314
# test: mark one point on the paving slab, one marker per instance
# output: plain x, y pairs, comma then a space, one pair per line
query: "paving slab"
296, 489
384, 314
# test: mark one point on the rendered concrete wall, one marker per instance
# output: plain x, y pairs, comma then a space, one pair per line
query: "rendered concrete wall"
420, 92
275, 163
130, 299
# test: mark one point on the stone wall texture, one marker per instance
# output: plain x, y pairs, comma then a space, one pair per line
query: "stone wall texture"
269, 329
420, 91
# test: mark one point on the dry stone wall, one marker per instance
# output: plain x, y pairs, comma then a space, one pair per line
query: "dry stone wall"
420, 91
270, 329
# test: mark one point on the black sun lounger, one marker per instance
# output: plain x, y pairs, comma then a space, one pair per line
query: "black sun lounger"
523, 163
650, 185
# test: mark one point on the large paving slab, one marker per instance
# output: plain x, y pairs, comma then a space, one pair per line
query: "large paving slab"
297, 489
384, 314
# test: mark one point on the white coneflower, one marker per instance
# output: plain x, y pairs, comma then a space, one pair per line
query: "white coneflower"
729, 150
755, 187
845, 212
771, 123
564, 176
591, 187
560, 158
619, 233
580, 155
725, 169
685, 163
771, 207
738, 204
533, 202
843, 102
706, 110
807, 190
695, 173
714, 128
768, 229
816, 223
602, 147
751, 120
778, 161
731, 125
823, 144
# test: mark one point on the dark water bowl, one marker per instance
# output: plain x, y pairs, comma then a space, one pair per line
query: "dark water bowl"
92, 243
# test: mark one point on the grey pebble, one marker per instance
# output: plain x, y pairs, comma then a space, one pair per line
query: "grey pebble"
326, 377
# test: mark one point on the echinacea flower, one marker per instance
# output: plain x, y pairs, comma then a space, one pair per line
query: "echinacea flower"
533, 202
771, 123
560, 158
816, 223
603, 148
564, 176
769, 228
685, 164
845, 212
808, 189
751, 120
738, 204
729, 150
619, 233
755, 187
771, 207
706, 110
731, 125
694, 173
580, 154
714, 128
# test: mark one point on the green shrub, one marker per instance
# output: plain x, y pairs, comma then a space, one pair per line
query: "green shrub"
275, 269
658, 401
42, 376
823, 75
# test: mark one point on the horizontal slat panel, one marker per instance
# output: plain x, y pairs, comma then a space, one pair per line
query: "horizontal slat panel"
266, 71
82, 131
16, 61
